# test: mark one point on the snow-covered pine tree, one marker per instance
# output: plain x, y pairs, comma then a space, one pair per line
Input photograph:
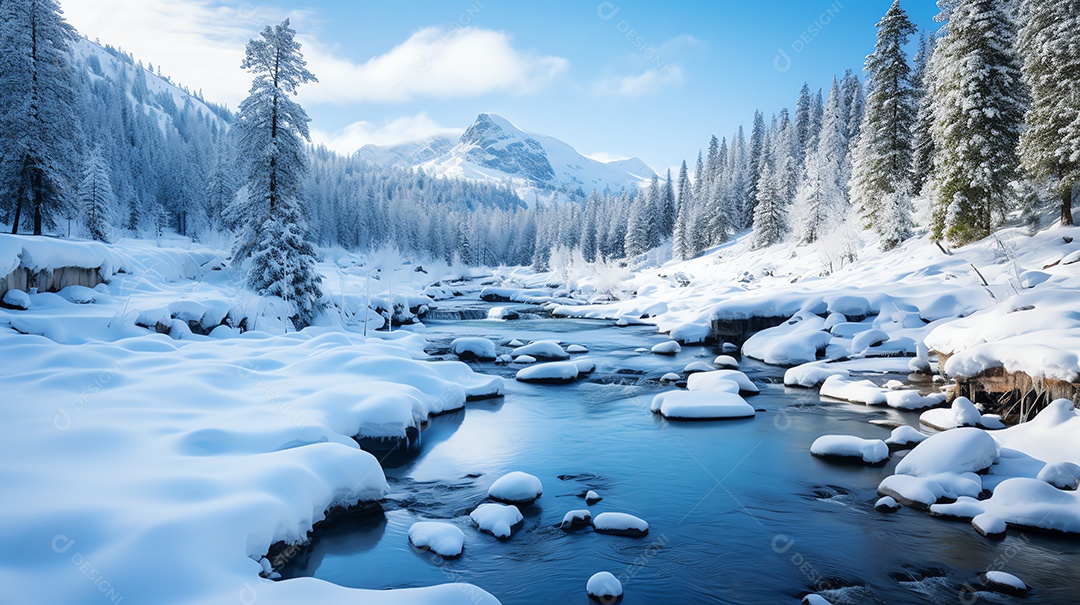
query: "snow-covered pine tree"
755, 162
96, 198
1050, 146
979, 104
804, 116
680, 243
716, 222
881, 165
922, 141
769, 213
821, 201
272, 128
854, 103
40, 133
667, 207
637, 226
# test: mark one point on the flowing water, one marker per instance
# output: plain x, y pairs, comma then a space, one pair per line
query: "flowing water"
739, 511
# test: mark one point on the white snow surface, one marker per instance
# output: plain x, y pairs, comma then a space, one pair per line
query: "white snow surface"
542, 349
604, 585
619, 522
17, 299
480, 348
669, 347
707, 381
559, 371
497, 519
702, 405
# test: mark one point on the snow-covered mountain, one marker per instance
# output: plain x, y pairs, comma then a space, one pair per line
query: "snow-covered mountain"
494, 150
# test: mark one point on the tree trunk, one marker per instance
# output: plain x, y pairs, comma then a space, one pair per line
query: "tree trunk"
1066, 205
18, 214
38, 201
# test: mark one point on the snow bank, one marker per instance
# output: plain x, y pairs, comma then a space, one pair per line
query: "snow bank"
17, 299
795, 342
846, 447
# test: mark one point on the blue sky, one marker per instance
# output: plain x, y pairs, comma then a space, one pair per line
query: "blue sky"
613, 79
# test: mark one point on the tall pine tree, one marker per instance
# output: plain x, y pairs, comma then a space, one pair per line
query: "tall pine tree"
881, 167
40, 134
979, 104
1050, 147
96, 198
272, 129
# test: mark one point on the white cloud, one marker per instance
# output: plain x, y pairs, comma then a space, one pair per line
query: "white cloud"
399, 130
433, 62
649, 81
200, 43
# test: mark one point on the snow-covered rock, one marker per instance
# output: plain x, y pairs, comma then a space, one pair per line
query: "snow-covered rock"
961, 413
553, 372
959, 451
670, 377
525, 359
620, 524
518, 488
1005, 583
592, 497
470, 348
577, 349
726, 362
1062, 475
811, 375
815, 599
698, 366
576, 519
702, 405
853, 391
443, 539
669, 347
17, 299
542, 349
604, 587
903, 436
846, 447
887, 504
863, 341
497, 519
709, 381
990, 525
795, 342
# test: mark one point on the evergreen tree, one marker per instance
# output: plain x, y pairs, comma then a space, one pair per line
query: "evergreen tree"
1050, 146
979, 103
667, 206
768, 214
96, 198
638, 228
881, 166
821, 201
40, 132
755, 162
272, 129
804, 117
922, 141
680, 244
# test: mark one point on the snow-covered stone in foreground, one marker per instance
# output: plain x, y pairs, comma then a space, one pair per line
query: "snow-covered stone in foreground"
525, 359
576, 519
1005, 583
468, 349
702, 405
911, 400
585, 366
592, 497
811, 375
670, 377
961, 413
576, 349
794, 342
17, 299
543, 349
961, 450
905, 435
604, 587
990, 525
698, 366
860, 391
443, 539
497, 519
554, 372
815, 599
1062, 475
517, 488
726, 362
846, 447
620, 524
669, 347
709, 381
887, 504
729, 347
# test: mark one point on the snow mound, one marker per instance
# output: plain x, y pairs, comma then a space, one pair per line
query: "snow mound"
962, 413
853, 391
811, 375
709, 381
670, 347
795, 342
468, 349
726, 362
958, 451
544, 350
497, 519
702, 405
671, 377
577, 349
17, 299
525, 359
576, 519
904, 436
554, 372
990, 525
698, 366
516, 488
1062, 475
846, 447
604, 587
443, 539
620, 524
1050, 436
1026, 502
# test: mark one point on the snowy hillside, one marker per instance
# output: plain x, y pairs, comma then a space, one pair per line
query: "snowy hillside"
494, 150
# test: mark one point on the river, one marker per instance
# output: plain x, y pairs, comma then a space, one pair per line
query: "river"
739, 511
